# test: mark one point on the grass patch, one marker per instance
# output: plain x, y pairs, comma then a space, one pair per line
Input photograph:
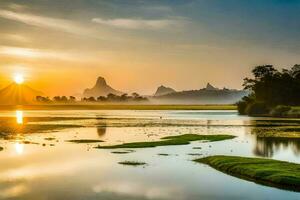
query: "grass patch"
268, 172
132, 163
197, 147
27, 142
50, 138
170, 140
1, 148
195, 154
292, 132
85, 141
163, 154
123, 152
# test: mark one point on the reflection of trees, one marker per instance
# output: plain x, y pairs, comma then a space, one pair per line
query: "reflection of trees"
266, 147
101, 130
267, 144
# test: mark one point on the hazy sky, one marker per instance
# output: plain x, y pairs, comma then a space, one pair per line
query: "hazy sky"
61, 46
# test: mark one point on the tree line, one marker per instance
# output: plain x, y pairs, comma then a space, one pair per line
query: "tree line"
270, 88
109, 98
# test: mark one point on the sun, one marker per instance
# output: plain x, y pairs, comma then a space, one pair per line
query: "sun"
19, 79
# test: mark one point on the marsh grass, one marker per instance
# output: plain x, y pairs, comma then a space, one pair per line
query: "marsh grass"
84, 141
269, 172
50, 138
132, 163
163, 154
170, 140
27, 142
195, 154
291, 132
123, 152
197, 147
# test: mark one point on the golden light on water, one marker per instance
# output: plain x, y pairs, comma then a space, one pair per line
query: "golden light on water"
19, 116
19, 79
19, 148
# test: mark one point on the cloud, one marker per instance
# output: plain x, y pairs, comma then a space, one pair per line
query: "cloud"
15, 37
153, 24
39, 53
44, 22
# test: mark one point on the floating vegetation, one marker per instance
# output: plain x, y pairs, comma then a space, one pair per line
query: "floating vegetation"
195, 154
163, 154
85, 141
121, 152
50, 138
27, 142
170, 140
269, 172
132, 163
197, 147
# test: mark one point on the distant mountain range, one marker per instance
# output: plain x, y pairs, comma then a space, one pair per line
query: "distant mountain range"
163, 94
101, 88
207, 95
15, 94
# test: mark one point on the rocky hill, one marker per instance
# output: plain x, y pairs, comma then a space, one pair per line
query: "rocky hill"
162, 90
101, 88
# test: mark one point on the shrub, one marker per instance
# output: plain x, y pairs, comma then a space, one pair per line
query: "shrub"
280, 110
241, 107
242, 104
257, 108
294, 113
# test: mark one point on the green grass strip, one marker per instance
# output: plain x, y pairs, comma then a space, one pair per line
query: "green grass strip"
170, 140
268, 172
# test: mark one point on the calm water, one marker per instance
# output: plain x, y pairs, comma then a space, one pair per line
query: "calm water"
57, 169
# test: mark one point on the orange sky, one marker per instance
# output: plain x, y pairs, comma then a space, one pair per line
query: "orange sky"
61, 49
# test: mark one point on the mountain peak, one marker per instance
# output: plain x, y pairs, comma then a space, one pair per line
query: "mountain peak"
101, 81
162, 90
210, 87
101, 88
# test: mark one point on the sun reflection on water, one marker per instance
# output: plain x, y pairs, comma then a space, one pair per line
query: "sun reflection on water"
19, 148
19, 116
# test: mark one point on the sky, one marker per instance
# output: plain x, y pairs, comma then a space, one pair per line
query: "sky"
62, 46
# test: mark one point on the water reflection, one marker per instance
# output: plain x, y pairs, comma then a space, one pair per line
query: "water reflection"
267, 147
19, 148
270, 137
101, 130
19, 116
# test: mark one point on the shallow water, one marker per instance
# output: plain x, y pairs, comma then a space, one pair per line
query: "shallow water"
56, 169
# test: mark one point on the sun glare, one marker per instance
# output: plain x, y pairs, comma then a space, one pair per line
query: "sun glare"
19, 117
19, 79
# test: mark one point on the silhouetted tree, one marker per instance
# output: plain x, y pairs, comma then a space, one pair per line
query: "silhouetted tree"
269, 88
101, 98
72, 99
42, 99
57, 99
